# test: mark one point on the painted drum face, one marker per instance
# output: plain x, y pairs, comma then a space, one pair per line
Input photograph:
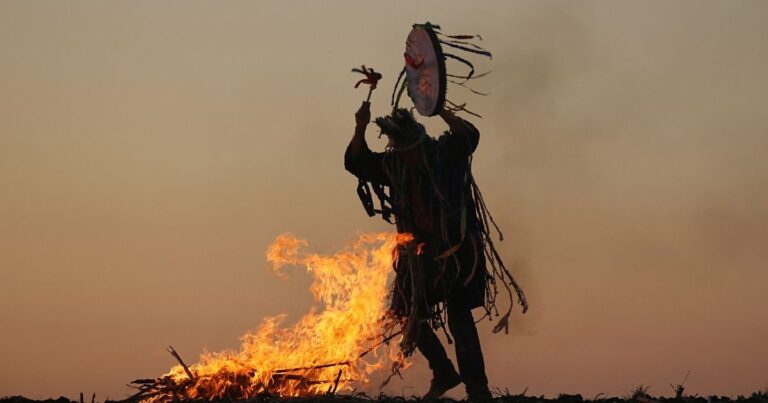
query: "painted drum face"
425, 70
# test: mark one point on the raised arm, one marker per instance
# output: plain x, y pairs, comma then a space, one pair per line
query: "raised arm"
359, 159
463, 136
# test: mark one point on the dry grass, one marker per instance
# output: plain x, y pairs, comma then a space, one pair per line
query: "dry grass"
637, 394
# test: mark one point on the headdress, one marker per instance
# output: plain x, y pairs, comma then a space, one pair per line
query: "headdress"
402, 126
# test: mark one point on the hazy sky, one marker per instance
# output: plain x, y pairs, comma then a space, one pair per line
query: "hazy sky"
151, 151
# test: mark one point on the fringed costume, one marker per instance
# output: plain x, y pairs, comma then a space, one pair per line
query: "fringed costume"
451, 266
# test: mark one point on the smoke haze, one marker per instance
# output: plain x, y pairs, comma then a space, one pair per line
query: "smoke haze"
150, 152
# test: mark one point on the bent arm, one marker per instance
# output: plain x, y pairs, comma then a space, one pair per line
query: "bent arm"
361, 161
356, 146
463, 137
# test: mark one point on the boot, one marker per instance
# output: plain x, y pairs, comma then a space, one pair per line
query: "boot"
442, 383
479, 394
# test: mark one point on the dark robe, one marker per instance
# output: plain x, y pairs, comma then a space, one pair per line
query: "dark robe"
431, 199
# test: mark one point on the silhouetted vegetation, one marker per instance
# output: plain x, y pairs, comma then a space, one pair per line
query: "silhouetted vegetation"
638, 394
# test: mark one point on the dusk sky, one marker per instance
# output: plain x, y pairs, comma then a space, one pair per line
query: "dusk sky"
150, 152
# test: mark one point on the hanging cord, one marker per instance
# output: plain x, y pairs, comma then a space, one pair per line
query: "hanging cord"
399, 85
497, 264
463, 107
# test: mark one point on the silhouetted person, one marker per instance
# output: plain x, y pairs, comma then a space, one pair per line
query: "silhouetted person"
440, 275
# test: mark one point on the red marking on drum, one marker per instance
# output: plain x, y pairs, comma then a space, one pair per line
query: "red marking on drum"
412, 63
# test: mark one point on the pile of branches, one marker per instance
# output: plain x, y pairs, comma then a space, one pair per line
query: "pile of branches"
238, 385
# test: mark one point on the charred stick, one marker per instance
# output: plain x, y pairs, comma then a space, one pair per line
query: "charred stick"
302, 379
336, 384
337, 364
385, 340
186, 368
282, 371
290, 376
144, 381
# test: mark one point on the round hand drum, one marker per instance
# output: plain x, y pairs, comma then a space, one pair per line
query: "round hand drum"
425, 70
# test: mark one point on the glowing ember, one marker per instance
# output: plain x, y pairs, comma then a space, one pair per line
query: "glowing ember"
334, 347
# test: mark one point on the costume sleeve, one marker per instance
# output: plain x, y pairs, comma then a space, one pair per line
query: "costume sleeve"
462, 139
366, 165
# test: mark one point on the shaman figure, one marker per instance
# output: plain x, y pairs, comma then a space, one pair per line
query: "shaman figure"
450, 266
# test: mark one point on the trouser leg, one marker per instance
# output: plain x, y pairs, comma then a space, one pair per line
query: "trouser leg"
431, 348
468, 352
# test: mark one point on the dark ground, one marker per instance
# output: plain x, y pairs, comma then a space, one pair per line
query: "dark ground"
636, 397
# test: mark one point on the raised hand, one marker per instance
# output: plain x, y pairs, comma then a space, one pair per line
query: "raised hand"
363, 115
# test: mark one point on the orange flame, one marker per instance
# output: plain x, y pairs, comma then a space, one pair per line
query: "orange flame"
327, 348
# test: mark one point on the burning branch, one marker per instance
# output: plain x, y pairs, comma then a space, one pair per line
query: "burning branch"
332, 388
176, 356
336, 364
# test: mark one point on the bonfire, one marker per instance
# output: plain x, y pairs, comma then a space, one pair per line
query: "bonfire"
334, 347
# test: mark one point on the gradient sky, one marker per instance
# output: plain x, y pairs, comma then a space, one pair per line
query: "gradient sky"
151, 151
